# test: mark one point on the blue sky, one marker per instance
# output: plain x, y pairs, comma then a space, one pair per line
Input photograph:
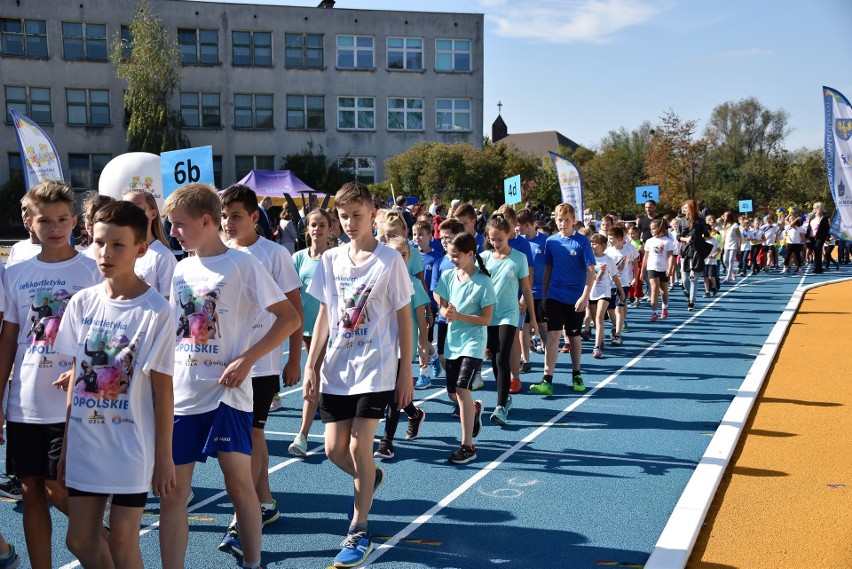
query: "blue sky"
586, 67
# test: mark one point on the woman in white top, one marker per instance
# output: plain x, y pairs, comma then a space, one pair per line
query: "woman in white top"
731, 238
794, 234
287, 231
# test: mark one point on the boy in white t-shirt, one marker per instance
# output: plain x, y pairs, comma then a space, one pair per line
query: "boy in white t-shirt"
606, 290
132, 393
364, 322
239, 217
37, 292
659, 262
215, 297
626, 259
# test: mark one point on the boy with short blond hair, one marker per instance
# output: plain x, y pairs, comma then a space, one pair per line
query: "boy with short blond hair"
364, 327
132, 322
37, 292
218, 291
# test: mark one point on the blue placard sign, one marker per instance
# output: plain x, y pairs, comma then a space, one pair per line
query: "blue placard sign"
645, 193
187, 166
512, 189
745, 206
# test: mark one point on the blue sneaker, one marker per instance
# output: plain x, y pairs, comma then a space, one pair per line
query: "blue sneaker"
231, 542
380, 479
356, 548
269, 516
435, 362
11, 560
423, 382
500, 416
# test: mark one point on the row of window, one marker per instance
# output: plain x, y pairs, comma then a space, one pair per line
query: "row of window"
90, 107
88, 41
84, 170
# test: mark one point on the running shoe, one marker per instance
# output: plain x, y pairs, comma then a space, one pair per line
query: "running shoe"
586, 334
231, 542
508, 406
356, 548
12, 559
566, 349
276, 403
385, 450
11, 489
690, 307
515, 385
478, 383
380, 479
707, 295
423, 382
464, 455
616, 340
269, 515
500, 416
542, 388
435, 362
664, 313
526, 367
654, 317
456, 412
414, 425
597, 353
299, 446
577, 380
477, 418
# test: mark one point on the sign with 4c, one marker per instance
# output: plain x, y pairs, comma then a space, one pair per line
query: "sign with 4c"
512, 189
645, 193
745, 206
187, 166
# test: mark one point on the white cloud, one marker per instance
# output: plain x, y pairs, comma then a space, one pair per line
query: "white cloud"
568, 21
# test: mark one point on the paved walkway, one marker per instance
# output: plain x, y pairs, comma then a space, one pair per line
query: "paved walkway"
786, 499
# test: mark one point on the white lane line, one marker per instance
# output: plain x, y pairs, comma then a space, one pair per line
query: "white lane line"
486, 470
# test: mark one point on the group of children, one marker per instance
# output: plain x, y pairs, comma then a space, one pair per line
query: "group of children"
146, 344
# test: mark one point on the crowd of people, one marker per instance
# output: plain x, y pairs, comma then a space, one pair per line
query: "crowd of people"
185, 357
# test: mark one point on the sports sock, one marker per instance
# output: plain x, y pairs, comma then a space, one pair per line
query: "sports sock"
270, 506
548, 378
356, 528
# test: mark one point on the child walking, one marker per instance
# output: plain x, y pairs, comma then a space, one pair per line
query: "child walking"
364, 323
660, 263
467, 301
730, 245
604, 291
134, 324
626, 259
509, 270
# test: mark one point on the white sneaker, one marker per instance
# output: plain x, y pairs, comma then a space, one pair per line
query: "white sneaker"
276, 403
299, 447
477, 383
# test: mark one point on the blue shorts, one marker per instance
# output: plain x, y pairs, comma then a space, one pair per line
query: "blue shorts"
223, 429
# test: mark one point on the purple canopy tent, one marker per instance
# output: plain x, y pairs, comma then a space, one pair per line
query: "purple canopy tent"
277, 184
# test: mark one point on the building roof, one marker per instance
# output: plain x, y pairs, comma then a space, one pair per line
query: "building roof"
539, 142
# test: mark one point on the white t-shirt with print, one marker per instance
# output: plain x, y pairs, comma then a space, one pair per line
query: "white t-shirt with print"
37, 295
714, 248
215, 302
623, 259
361, 305
795, 235
603, 284
658, 250
276, 259
157, 267
22, 251
117, 344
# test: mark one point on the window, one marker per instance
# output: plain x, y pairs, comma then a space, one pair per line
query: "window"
84, 41
217, 170
198, 47
355, 52
452, 55
356, 113
405, 114
252, 48
126, 42
253, 111
16, 166
26, 38
33, 102
245, 164
303, 51
405, 53
85, 169
200, 110
362, 167
452, 114
87, 107
305, 112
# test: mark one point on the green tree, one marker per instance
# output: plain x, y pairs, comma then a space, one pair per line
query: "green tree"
675, 160
739, 130
151, 68
612, 174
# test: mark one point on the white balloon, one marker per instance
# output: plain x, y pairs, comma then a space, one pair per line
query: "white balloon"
133, 170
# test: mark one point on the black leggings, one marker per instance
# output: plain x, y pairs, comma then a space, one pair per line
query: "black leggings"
500, 340
392, 420
793, 250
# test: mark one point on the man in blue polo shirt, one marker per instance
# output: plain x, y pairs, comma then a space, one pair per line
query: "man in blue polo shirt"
569, 271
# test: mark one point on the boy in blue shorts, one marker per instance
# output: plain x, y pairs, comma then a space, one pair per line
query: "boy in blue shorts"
364, 324
569, 273
213, 400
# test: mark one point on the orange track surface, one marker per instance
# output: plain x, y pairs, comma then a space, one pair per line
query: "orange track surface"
786, 499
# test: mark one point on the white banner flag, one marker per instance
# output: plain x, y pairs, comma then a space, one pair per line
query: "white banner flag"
39, 155
570, 182
838, 158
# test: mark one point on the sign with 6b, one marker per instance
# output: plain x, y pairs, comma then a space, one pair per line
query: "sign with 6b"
187, 166
512, 189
